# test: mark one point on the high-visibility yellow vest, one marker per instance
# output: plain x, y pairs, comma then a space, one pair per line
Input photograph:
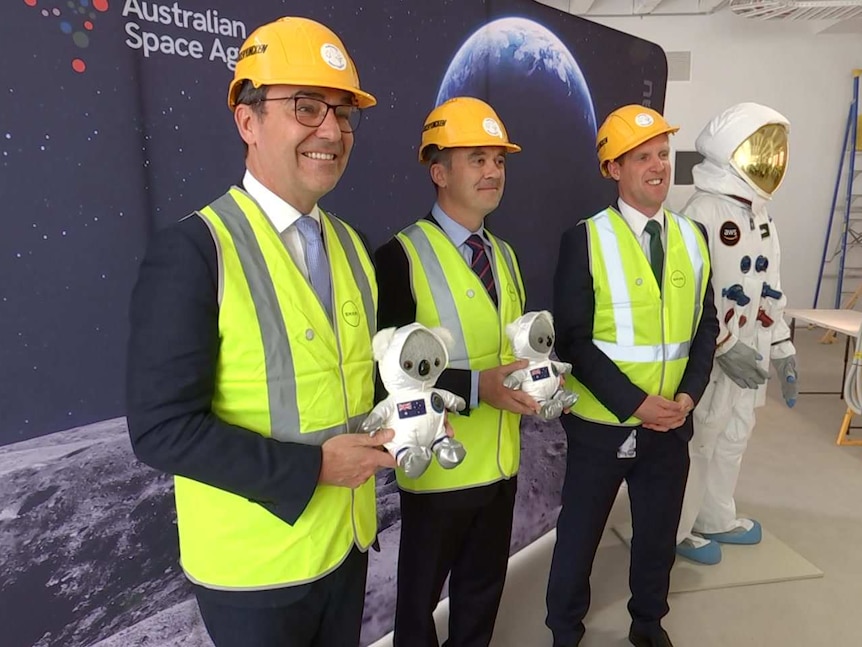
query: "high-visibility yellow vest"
647, 332
449, 294
287, 372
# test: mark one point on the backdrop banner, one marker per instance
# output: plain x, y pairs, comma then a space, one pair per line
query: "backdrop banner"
115, 124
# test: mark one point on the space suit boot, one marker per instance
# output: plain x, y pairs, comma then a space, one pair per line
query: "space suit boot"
450, 453
700, 550
746, 532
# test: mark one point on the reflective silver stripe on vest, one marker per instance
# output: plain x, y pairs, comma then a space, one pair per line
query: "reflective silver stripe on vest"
283, 411
510, 263
643, 354
689, 235
620, 298
444, 300
359, 274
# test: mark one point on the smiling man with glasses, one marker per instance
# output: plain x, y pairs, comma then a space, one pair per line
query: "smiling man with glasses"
311, 110
250, 361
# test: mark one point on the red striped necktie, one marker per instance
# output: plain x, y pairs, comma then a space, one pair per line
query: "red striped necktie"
481, 264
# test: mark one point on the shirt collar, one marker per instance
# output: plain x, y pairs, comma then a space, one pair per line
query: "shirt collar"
636, 220
456, 232
281, 214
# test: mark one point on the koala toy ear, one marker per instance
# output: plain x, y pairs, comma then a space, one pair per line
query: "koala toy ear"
381, 342
445, 336
546, 313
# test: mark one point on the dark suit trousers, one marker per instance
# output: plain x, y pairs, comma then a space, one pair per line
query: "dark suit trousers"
656, 483
468, 536
326, 613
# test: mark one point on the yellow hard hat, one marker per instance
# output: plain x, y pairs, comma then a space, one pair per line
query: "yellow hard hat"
296, 51
627, 128
464, 121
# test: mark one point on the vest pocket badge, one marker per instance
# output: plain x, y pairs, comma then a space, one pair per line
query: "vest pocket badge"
350, 313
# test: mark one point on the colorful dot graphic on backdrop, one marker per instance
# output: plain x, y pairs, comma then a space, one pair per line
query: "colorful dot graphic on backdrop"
75, 20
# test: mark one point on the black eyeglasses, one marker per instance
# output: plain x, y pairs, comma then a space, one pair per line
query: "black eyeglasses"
312, 112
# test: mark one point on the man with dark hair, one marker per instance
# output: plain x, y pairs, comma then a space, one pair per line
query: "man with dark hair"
448, 270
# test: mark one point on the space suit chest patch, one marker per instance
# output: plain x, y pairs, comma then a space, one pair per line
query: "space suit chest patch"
541, 373
729, 233
764, 230
412, 409
437, 403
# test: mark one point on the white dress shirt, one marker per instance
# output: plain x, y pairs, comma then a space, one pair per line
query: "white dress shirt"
638, 222
282, 216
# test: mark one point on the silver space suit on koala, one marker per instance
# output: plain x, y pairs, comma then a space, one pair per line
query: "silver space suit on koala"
745, 157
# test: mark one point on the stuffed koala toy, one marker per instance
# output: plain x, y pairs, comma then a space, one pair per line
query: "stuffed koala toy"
410, 359
532, 337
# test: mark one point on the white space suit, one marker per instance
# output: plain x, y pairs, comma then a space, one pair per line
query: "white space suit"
745, 151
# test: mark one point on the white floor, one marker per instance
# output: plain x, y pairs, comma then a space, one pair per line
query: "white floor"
803, 488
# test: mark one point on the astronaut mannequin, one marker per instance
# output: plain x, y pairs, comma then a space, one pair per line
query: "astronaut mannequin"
410, 359
745, 157
532, 338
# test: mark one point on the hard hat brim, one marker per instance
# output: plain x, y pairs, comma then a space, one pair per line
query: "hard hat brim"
363, 99
670, 130
509, 146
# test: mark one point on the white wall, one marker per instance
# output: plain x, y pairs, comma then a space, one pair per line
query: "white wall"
787, 66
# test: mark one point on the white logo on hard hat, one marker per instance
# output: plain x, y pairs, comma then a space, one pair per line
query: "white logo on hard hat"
644, 120
492, 127
333, 56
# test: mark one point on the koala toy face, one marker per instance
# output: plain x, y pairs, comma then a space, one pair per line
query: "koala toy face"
412, 356
423, 357
532, 335
542, 336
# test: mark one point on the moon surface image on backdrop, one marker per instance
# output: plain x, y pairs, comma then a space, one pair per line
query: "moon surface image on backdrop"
528, 59
97, 555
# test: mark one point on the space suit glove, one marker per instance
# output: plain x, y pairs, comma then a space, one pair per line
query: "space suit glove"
785, 367
740, 364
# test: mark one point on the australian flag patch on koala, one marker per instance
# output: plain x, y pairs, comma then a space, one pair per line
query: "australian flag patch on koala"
541, 373
412, 409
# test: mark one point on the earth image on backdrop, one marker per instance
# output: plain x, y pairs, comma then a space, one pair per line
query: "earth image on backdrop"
523, 63
99, 556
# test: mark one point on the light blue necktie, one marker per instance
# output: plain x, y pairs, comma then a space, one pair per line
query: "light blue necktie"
315, 257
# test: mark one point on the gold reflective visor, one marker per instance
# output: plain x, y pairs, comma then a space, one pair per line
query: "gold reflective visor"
762, 158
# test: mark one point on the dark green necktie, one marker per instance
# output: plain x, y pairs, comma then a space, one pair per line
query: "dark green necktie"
656, 251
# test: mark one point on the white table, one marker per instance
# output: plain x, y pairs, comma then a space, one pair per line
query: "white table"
845, 322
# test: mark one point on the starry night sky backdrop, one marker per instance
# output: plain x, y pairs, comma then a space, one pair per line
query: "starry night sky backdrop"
100, 146
94, 161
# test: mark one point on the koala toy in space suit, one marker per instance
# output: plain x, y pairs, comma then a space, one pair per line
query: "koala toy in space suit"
410, 359
532, 337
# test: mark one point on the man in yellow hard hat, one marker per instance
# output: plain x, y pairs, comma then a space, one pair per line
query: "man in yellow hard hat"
448, 270
636, 319
250, 361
